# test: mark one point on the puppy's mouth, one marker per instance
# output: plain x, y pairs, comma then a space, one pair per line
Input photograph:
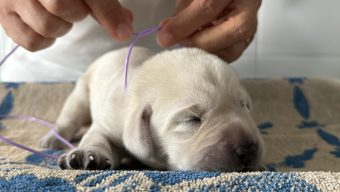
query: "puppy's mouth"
248, 169
219, 166
226, 161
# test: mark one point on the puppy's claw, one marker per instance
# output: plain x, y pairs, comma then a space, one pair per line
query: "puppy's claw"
108, 164
85, 159
91, 163
62, 162
74, 161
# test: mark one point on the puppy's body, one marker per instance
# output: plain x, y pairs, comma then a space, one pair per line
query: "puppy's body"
107, 97
183, 109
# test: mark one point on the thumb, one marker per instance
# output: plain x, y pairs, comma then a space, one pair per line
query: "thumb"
180, 6
116, 19
196, 15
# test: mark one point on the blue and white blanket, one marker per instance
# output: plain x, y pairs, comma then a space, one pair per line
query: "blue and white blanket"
299, 119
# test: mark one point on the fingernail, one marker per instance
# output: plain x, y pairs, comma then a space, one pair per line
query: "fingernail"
123, 31
166, 38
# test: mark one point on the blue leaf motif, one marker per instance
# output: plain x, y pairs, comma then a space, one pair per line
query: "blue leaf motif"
12, 85
7, 104
265, 125
310, 124
336, 153
297, 161
301, 102
329, 138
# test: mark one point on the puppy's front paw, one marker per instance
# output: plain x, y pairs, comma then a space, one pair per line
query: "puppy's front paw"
85, 159
50, 141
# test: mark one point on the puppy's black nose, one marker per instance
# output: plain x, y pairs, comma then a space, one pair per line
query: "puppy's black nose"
246, 153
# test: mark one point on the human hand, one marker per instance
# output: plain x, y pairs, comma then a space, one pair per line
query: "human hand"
35, 24
222, 27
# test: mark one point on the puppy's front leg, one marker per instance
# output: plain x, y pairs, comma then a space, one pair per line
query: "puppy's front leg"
74, 115
94, 152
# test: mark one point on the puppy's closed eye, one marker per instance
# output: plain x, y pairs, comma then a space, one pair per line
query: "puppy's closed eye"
187, 123
193, 119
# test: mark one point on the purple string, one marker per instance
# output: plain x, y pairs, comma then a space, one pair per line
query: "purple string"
135, 38
27, 148
42, 122
9, 54
32, 119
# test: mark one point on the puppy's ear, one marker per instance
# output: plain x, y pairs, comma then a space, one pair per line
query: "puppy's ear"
137, 136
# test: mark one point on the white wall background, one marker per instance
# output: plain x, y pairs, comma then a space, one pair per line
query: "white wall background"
295, 38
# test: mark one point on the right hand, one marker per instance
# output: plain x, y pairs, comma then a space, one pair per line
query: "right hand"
35, 24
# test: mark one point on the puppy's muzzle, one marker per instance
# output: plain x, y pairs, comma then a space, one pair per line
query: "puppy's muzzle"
236, 150
246, 153
242, 147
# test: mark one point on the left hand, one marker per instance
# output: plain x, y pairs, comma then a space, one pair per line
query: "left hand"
222, 27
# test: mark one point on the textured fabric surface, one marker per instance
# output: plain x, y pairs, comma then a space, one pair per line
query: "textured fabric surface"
298, 118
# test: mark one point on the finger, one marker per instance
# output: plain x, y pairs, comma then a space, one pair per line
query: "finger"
23, 35
164, 22
236, 29
113, 17
67, 10
233, 53
41, 21
181, 4
196, 15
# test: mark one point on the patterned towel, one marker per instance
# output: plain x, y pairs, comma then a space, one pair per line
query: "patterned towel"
299, 119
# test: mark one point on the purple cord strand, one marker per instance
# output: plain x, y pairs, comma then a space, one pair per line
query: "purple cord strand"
135, 38
9, 54
42, 122
127, 61
27, 148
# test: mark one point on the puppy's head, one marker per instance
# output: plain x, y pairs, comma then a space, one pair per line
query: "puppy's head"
188, 111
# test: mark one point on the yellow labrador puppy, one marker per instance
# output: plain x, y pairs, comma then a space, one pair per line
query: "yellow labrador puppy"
184, 109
